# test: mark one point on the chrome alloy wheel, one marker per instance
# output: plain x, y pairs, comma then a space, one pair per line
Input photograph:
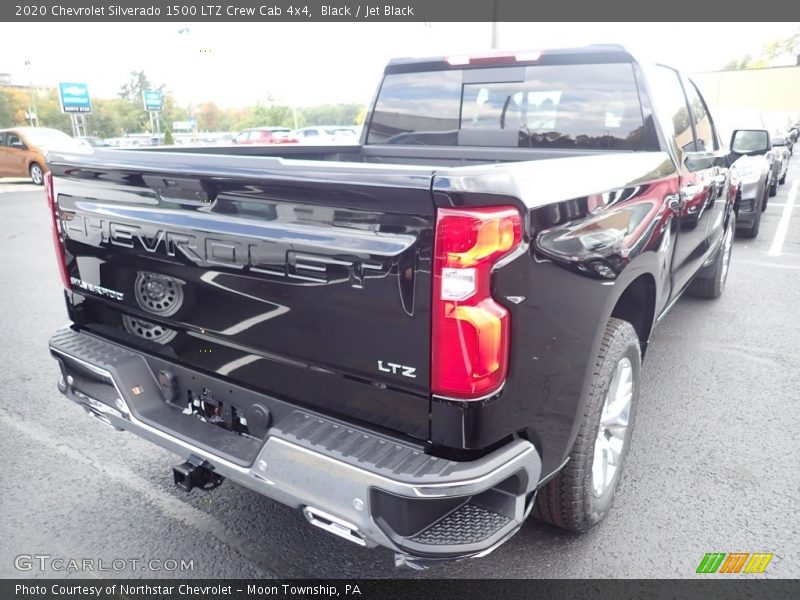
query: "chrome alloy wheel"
37, 175
613, 429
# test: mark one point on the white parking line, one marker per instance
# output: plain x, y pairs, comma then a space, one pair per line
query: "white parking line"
780, 233
766, 265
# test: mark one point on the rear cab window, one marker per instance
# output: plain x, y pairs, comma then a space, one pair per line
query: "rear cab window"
569, 106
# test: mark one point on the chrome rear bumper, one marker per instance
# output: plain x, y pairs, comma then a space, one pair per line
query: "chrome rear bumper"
365, 487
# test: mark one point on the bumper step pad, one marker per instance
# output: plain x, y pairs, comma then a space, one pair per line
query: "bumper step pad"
468, 524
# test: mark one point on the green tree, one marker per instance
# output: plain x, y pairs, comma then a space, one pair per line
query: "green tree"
331, 114
13, 104
209, 117
16, 102
132, 89
769, 53
123, 114
50, 114
362, 114
171, 112
738, 64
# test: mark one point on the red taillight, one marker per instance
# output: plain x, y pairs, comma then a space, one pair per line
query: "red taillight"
53, 207
469, 354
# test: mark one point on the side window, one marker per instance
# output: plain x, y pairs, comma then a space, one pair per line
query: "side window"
2, 139
703, 126
671, 103
12, 138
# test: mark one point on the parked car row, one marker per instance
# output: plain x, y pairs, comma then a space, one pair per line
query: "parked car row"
761, 148
23, 149
320, 134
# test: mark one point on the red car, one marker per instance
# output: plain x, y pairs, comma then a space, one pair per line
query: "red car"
264, 135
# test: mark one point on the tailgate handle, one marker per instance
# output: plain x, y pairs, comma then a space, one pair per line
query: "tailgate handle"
183, 190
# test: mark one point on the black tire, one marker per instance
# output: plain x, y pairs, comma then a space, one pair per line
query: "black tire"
37, 173
710, 281
773, 189
782, 180
752, 231
569, 500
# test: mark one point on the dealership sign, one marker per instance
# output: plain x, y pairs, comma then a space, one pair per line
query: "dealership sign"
152, 100
74, 97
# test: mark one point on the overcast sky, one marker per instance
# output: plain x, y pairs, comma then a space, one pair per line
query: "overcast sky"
235, 64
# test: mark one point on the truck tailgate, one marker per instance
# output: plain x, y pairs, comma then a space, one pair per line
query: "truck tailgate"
304, 280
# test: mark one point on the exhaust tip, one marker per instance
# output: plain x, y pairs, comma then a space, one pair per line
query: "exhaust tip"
334, 525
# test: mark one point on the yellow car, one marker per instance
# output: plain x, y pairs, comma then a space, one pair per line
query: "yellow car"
23, 151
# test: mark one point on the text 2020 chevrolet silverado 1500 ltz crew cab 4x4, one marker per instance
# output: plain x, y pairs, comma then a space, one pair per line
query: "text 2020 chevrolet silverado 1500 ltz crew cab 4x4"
416, 339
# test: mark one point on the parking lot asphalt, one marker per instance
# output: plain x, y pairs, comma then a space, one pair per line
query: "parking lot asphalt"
713, 465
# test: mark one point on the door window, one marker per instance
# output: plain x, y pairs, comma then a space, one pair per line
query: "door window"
703, 125
671, 101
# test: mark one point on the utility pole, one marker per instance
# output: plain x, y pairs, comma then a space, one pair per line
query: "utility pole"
187, 32
34, 113
495, 32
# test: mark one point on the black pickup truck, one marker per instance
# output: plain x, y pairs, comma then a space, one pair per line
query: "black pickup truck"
417, 339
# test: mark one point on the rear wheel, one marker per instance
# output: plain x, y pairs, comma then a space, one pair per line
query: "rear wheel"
710, 281
36, 173
782, 180
582, 494
773, 189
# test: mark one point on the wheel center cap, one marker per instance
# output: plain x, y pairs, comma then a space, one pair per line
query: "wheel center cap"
154, 289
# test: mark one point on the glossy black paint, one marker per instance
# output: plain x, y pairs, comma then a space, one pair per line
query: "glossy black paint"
288, 281
606, 234
618, 235
589, 257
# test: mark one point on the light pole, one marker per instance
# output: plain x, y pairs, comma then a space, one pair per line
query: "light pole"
186, 31
495, 32
34, 114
